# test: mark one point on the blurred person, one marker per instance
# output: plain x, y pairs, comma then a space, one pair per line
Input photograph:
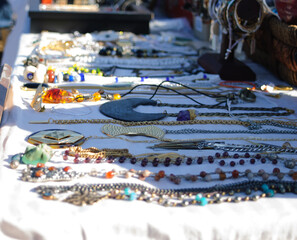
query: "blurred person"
6, 22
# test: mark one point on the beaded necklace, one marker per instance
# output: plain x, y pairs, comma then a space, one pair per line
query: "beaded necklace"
91, 193
95, 155
40, 173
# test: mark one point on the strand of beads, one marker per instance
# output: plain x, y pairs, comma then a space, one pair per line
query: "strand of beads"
218, 175
57, 95
177, 160
228, 193
40, 173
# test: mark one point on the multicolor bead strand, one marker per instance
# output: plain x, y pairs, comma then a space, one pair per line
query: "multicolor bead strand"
57, 95
44, 174
92, 193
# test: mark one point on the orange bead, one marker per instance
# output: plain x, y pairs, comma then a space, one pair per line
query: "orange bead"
79, 98
40, 165
157, 178
66, 169
109, 174
294, 176
235, 174
48, 197
161, 174
222, 176
52, 168
116, 96
39, 173
97, 96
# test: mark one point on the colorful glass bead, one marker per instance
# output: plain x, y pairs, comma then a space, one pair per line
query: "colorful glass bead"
109, 174
203, 201
51, 168
161, 174
294, 176
127, 191
79, 98
71, 78
50, 76
66, 169
39, 173
222, 176
15, 160
66, 77
57, 95
97, 96
235, 174
132, 196
116, 96
82, 77
30, 76
40, 165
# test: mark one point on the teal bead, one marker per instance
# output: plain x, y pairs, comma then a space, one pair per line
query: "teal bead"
265, 188
270, 193
17, 157
203, 201
132, 196
198, 197
127, 191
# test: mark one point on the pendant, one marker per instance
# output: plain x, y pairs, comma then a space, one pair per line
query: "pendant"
57, 138
56, 95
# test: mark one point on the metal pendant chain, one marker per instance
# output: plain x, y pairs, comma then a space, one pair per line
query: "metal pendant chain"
262, 131
201, 145
276, 123
276, 111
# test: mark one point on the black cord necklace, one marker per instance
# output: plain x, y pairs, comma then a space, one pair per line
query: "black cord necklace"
124, 109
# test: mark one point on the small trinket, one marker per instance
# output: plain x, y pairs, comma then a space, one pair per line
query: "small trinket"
56, 138
33, 155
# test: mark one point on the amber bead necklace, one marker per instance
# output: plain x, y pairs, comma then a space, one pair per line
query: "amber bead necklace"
58, 95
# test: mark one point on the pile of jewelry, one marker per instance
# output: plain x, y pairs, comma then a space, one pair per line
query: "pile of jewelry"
213, 170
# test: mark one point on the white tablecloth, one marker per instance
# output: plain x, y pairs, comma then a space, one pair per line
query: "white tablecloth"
24, 215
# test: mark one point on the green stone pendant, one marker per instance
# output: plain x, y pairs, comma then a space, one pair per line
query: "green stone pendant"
37, 154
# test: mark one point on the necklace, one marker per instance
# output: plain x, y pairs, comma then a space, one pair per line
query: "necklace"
57, 95
95, 155
158, 133
89, 194
277, 123
40, 173
124, 110
200, 145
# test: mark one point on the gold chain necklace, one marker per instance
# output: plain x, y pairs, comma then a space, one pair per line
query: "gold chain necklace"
285, 124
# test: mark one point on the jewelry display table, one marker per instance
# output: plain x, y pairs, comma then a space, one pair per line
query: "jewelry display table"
24, 214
